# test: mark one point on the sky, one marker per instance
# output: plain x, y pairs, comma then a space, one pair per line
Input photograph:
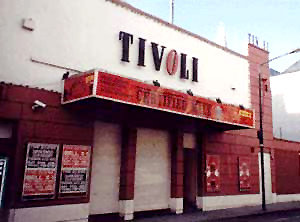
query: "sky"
274, 21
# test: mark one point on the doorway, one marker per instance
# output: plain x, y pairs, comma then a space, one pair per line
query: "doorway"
190, 180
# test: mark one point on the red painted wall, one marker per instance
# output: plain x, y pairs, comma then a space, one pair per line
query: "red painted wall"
231, 145
53, 124
287, 171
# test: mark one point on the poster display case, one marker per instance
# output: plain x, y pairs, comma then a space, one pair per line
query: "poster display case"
40, 171
74, 176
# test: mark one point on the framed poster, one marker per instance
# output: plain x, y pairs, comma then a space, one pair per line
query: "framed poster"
40, 171
244, 173
212, 173
3, 171
74, 177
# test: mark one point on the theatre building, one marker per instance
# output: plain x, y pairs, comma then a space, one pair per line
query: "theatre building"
106, 111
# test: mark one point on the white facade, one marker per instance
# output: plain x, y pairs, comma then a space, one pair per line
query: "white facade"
71, 34
84, 36
286, 107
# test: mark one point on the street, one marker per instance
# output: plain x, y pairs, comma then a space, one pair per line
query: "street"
286, 216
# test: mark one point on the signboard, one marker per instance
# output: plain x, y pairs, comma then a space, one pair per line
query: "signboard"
40, 171
79, 87
3, 170
74, 170
120, 89
244, 173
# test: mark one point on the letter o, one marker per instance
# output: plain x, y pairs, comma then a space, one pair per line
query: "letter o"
172, 62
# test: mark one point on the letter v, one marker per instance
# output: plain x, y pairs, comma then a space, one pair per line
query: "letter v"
157, 59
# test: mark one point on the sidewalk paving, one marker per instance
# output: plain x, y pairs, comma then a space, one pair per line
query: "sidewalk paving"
199, 216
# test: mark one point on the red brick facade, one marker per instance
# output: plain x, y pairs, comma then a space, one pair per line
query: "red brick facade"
53, 124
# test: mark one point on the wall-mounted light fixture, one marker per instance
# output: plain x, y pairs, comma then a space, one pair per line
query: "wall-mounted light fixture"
190, 92
37, 104
156, 83
28, 24
218, 100
65, 76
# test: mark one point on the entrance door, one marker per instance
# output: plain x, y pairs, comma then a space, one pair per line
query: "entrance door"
190, 180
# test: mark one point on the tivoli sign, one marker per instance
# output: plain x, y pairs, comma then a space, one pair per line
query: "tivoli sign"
158, 52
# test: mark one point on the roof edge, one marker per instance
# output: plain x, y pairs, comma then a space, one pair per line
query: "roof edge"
136, 10
27, 86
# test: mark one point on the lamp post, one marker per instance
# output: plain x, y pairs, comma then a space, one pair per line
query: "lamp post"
261, 131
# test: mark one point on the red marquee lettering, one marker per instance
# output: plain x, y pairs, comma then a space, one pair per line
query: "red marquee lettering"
172, 62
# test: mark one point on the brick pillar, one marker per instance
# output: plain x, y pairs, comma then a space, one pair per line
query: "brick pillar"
127, 172
257, 56
200, 170
177, 170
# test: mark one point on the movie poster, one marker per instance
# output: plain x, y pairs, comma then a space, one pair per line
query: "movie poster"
40, 171
74, 178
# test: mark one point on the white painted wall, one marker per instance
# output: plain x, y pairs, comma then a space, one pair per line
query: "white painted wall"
286, 106
70, 213
105, 178
287, 197
152, 170
229, 201
268, 178
86, 35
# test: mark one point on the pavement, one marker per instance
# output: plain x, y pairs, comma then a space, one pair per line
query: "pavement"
198, 216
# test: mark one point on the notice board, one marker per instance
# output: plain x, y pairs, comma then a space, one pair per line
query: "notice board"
40, 171
74, 178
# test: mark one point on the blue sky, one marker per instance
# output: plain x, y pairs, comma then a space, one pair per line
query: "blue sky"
274, 21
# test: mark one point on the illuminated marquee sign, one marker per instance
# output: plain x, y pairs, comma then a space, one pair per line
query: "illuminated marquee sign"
116, 88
